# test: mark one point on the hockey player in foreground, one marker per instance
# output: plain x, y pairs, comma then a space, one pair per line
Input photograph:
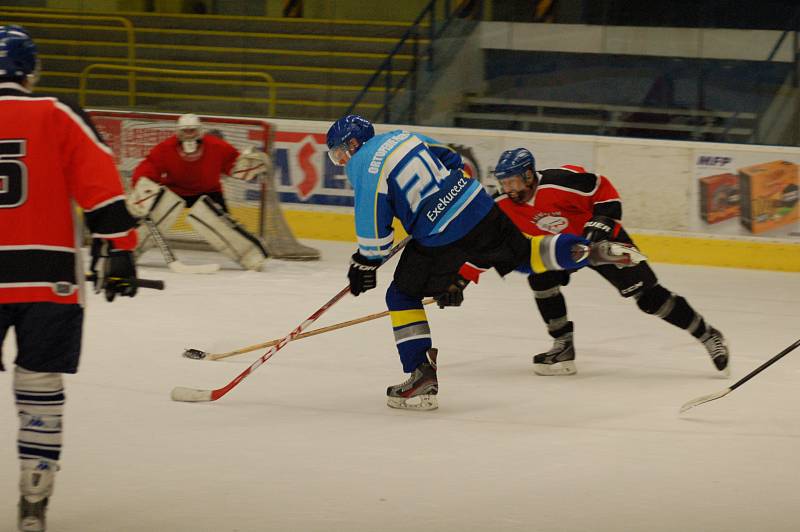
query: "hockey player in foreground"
184, 170
50, 157
570, 200
457, 233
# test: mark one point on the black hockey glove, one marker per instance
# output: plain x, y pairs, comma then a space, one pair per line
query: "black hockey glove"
454, 295
114, 270
599, 228
363, 273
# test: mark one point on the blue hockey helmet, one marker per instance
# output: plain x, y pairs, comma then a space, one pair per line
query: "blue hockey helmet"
18, 59
340, 134
514, 162
512, 174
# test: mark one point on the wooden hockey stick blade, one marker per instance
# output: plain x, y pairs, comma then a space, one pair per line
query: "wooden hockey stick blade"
194, 395
199, 354
704, 399
179, 267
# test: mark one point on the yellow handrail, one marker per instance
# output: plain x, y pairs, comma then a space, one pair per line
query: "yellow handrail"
269, 81
127, 25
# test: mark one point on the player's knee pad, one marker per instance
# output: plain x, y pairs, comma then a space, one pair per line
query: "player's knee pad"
226, 235
164, 210
656, 300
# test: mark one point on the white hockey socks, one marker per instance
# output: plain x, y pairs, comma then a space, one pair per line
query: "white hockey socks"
226, 235
40, 404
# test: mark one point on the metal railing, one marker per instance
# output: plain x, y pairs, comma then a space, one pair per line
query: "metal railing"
127, 26
269, 81
412, 35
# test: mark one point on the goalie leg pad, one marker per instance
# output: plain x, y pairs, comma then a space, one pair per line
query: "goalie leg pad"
226, 235
165, 210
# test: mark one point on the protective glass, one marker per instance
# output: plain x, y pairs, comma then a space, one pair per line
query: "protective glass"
339, 155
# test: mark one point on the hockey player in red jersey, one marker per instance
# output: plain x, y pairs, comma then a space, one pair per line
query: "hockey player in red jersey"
51, 157
570, 200
185, 170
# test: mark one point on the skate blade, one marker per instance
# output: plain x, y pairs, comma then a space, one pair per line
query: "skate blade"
426, 402
559, 368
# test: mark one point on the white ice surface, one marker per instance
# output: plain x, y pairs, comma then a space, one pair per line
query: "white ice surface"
306, 443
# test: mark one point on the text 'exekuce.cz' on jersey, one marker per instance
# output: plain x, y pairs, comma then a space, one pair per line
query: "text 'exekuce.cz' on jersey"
52, 158
398, 175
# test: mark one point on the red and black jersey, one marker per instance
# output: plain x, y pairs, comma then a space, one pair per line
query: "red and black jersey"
565, 199
165, 165
52, 158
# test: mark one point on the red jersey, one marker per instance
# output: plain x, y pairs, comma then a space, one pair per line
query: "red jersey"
565, 199
51, 158
165, 165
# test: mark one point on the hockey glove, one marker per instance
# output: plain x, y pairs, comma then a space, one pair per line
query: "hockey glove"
454, 295
363, 273
114, 270
599, 228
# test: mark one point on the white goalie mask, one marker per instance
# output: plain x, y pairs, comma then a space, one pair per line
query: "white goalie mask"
190, 133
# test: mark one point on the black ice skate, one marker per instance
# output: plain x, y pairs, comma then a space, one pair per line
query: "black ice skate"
422, 384
717, 349
32, 515
560, 360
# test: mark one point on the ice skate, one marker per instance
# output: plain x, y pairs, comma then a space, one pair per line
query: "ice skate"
36, 486
32, 515
422, 384
717, 349
560, 360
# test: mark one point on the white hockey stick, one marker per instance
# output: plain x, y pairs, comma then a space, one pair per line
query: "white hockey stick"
169, 257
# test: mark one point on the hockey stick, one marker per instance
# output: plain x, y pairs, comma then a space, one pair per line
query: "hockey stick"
706, 398
197, 354
169, 257
193, 395
140, 283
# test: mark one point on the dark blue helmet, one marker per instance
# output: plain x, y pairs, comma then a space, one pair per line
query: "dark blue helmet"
350, 127
17, 53
340, 133
514, 162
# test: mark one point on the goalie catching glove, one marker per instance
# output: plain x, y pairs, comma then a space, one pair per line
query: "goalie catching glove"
251, 165
114, 270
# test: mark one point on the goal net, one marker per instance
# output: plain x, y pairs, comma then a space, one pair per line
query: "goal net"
255, 205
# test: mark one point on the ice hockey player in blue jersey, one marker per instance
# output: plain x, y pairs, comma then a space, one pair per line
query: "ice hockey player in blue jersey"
457, 231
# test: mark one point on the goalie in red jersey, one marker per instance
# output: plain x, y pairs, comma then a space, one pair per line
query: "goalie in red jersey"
570, 200
185, 170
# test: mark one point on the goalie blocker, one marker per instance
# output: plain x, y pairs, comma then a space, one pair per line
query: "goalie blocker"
226, 235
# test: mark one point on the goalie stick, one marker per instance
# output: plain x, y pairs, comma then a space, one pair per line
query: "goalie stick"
198, 354
169, 257
193, 395
711, 397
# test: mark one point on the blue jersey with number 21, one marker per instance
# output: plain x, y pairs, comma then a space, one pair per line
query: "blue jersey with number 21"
399, 175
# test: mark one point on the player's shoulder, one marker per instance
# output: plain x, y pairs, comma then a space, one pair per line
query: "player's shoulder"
570, 177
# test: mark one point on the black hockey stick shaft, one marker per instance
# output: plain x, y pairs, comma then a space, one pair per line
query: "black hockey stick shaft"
140, 283
722, 393
765, 365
